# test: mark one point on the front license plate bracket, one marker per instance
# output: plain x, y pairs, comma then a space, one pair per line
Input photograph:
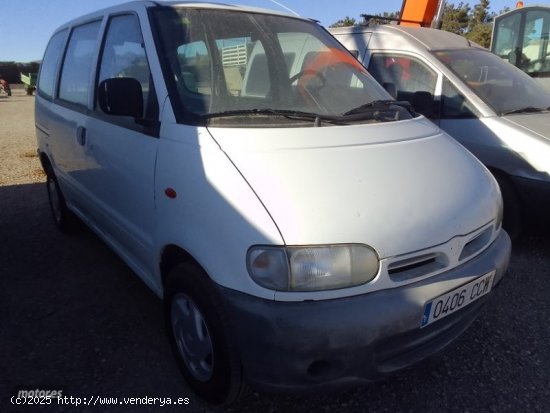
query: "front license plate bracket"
454, 300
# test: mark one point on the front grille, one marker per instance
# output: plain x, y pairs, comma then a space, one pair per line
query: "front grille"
476, 244
431, 261
416, 266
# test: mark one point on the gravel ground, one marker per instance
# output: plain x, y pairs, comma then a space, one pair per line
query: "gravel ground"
17, 140
75, 318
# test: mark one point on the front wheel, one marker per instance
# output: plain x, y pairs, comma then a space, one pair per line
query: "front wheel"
199, 335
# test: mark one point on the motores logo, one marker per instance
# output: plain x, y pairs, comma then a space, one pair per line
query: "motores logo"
39, 393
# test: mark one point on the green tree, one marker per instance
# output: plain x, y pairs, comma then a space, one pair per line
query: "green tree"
456, 18
479, 26
346, 21
11, 71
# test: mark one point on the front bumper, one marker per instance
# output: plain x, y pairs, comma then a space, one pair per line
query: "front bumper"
316, 344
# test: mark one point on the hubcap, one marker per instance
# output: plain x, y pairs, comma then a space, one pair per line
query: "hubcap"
192, 337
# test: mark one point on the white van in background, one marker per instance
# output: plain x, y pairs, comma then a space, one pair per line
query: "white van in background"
303, 229
494, 109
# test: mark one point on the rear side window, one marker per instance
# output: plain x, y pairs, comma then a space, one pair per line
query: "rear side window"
50, 63
77, 67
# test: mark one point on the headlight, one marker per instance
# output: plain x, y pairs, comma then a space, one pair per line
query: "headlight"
312, 268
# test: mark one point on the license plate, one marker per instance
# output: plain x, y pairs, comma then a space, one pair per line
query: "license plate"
456, 299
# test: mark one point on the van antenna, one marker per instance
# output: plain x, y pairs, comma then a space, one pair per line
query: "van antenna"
285, 7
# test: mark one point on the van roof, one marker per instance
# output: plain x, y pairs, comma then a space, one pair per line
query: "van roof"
430, 39
225, 6
134, 5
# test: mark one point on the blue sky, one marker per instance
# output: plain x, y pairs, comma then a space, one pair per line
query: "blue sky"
26, 25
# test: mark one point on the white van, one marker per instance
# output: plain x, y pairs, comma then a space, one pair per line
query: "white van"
303, 229
494, 109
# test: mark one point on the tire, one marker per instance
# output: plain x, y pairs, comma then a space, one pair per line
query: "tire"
199, 335
64, 219
512, 219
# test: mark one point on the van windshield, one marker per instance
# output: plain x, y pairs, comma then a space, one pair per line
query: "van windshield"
499, 84
241, 68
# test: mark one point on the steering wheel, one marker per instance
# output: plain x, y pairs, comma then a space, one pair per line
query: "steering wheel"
308, 89
308, 72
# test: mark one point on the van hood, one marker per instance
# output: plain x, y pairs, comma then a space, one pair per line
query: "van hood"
398, 187
538, 123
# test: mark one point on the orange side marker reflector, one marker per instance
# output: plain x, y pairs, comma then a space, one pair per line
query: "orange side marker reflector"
170, 193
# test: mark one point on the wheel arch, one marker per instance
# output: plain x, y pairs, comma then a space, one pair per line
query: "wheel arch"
171, 256
513, 203
45, 162
501, 176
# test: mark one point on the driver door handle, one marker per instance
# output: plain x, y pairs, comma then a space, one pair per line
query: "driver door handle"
81, 135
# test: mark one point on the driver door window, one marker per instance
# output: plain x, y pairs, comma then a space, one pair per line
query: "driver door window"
124, 56
404, 73
406, 78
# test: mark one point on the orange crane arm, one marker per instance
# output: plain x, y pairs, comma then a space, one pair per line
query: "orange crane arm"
419, 13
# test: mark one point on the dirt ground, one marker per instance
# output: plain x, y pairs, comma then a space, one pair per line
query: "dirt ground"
17, 139
74, 317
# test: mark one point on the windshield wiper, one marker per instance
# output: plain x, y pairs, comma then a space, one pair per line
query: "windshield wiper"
527, 109
377, 110
244, 112
378, 105
290, 114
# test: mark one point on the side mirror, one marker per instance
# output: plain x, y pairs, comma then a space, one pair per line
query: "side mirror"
390, 88
423, 102
121, 96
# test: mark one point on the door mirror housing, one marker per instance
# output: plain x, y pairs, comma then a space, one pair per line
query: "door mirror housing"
424, 103
121, 96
